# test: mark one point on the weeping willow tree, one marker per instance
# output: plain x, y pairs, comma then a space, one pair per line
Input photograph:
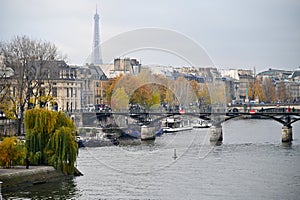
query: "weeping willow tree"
50, 139
61, 147
39, 124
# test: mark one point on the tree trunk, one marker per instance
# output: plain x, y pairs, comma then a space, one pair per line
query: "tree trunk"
20, 121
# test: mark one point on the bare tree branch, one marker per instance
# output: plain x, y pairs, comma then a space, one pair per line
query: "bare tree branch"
30, 61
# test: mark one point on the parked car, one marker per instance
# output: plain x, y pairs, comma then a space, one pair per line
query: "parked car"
89, 108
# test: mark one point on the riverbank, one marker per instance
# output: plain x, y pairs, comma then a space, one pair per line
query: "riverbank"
19, 176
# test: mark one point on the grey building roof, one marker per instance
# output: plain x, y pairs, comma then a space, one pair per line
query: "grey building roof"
52, 69
273, 72
97, 72
296, 73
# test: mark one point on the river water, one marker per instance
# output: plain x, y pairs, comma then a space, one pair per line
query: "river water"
251, 163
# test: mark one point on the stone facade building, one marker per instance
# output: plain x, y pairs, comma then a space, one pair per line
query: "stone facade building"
240, 80
287, 84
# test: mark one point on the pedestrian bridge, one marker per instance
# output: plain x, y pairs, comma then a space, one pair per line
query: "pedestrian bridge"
286, 117
270, 107
282, 114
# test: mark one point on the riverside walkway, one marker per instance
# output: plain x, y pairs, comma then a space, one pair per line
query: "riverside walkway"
19, 176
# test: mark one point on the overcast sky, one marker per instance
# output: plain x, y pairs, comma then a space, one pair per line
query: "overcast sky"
234, 33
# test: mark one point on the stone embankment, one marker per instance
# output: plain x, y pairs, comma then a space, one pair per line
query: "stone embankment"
19, 176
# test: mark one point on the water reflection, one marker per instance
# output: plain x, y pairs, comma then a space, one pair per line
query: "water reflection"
216, 143
65, 189
287, 145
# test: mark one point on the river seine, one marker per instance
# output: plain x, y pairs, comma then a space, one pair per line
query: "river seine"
251, 163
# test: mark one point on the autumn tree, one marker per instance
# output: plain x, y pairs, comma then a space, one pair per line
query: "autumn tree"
203, 95
5, 76
201, 92
150, 90
217, 93
144, 89
12, 152
269, 90
130, 83
142, 96
21, 55
196, 88
110, 86
255, 90
184, 91
147, 95
155, 100
6, 105
251, 90
119, 99
282, 93
170, 97
162, 86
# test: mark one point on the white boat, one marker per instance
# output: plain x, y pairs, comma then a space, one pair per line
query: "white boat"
175, 124
200, 123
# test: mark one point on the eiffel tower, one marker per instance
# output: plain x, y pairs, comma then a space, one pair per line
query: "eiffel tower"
96, 53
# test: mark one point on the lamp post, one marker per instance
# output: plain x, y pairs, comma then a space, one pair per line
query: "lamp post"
236, 89
0, 190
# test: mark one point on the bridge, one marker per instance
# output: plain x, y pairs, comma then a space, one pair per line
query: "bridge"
284, 115
278, 106
286, 118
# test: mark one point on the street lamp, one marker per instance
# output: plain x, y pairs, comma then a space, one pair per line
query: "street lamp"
236, 89
0, 190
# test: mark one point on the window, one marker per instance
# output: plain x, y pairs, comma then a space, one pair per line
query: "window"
54, 92
42, 92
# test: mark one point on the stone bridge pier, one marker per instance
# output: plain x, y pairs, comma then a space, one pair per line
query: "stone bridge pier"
287, 130
216, 134
287, 133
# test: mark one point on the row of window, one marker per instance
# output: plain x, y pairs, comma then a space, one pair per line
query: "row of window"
70, 92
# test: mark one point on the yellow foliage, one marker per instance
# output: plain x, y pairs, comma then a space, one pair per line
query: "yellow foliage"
12, 152
109, 88
217, 93
203, 94
119, 99
8, 108
256, 91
